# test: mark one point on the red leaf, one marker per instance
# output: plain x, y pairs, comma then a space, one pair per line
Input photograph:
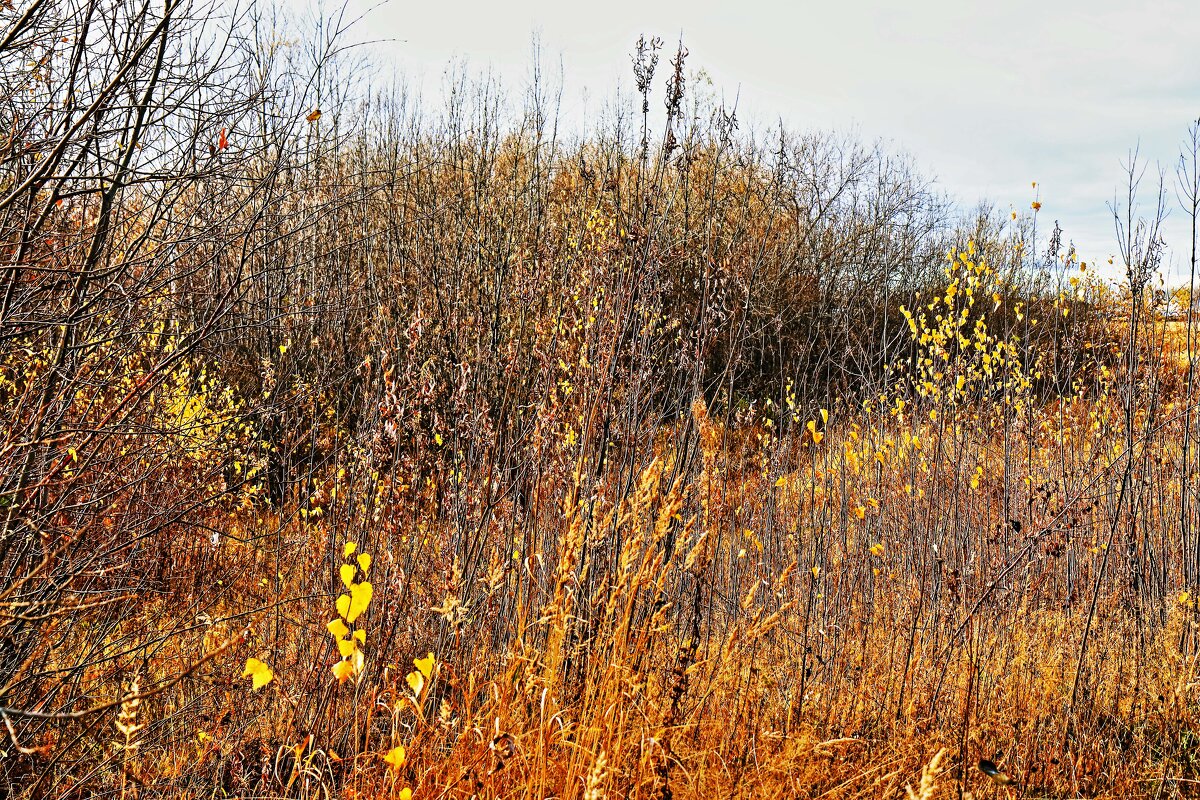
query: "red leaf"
222, 142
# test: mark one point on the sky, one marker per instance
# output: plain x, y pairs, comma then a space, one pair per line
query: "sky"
987, 97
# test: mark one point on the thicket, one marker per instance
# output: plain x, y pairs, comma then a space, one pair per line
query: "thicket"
352, 446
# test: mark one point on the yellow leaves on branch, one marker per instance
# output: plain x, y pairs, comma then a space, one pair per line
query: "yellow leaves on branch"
258, 673
397, 757
425, 665
343, 671
817, 435
424, 671
350, 607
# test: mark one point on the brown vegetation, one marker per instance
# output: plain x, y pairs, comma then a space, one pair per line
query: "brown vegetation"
353, 450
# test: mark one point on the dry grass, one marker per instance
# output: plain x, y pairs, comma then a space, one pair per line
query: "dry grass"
363, 458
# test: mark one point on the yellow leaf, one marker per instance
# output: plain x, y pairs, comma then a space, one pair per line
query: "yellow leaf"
396, 757
343, 605
425, 665
361, 635
817, 436
347, 575
258, 672
356, 662
349, 549
781, 481
416, 682
364, 563
360, 596
338, 628
342, 670
346, 647
406, 793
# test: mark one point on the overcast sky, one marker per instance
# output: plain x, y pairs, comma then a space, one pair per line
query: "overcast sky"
987, 97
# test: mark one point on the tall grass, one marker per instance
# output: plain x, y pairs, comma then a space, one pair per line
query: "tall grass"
692, 463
